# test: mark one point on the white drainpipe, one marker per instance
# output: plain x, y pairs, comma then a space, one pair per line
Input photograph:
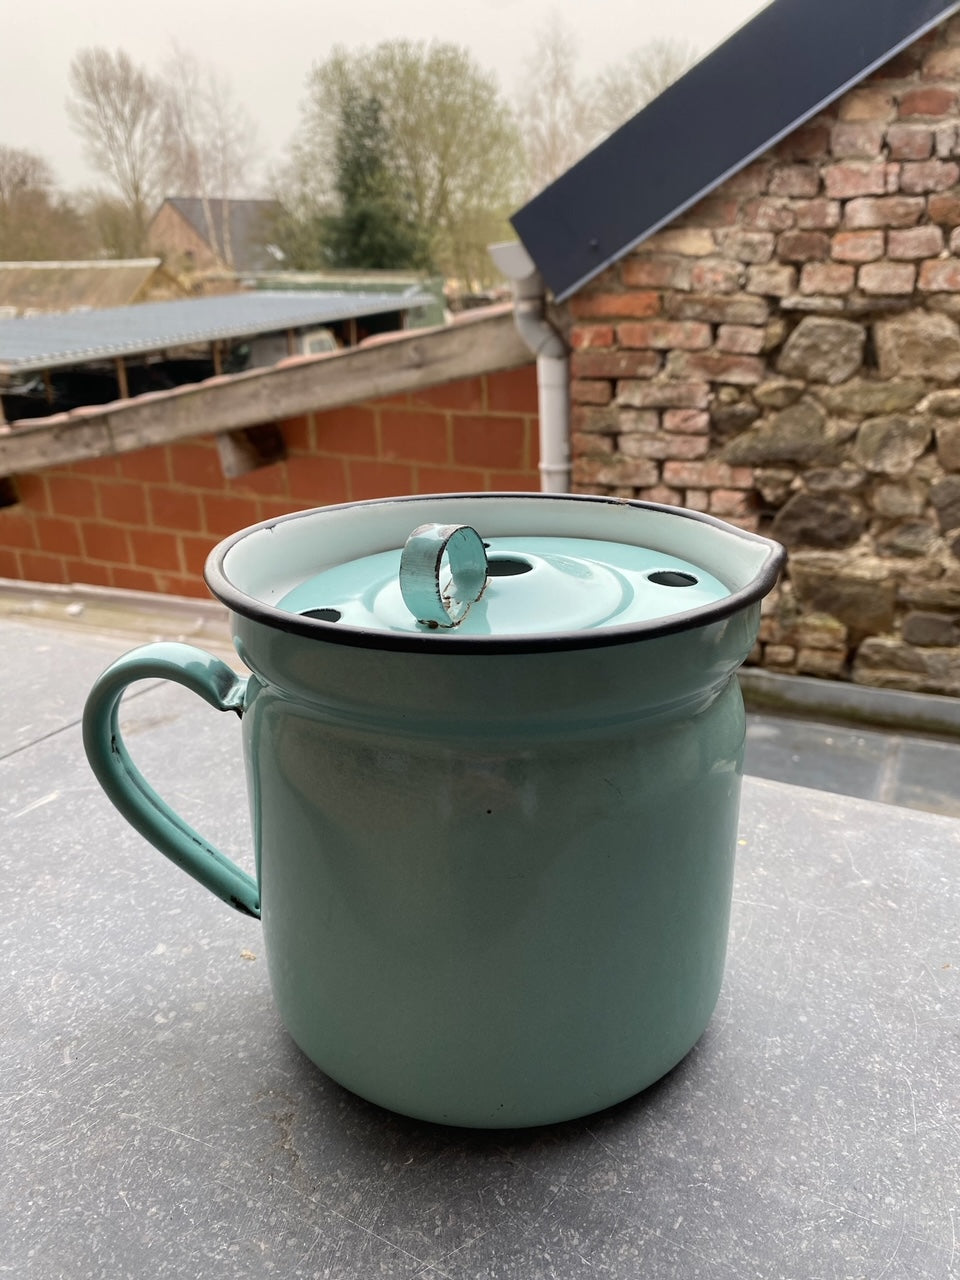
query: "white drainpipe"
553, 362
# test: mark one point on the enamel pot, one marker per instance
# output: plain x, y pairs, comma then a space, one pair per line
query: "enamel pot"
493, 746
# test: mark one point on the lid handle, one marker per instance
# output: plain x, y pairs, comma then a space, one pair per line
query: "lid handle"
432, 602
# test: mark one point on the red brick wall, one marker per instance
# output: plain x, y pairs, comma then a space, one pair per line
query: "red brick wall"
147, 520
786, 355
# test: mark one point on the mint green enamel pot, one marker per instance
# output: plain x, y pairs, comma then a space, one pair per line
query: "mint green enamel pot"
493, 747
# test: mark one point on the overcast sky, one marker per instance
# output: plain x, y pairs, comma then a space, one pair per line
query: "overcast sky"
267, 50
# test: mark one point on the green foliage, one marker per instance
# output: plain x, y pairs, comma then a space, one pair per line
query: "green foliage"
448, 142
374, 227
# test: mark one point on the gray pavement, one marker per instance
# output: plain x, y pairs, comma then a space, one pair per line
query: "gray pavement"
159, 1122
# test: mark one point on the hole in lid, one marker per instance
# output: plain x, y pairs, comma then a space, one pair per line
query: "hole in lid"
672, 578
507, 566
324, 615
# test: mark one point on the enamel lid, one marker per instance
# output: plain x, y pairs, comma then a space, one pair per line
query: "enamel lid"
450, 579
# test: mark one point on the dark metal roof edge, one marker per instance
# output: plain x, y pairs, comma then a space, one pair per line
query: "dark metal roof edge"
567, 291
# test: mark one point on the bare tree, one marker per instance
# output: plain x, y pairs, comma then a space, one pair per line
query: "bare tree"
623, 88
555, 106
118, 110
564, 115
209, 142
36, 220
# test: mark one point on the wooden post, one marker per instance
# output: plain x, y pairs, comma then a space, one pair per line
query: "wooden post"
292, 347
351, 332
48, 386
217, 356
122, 385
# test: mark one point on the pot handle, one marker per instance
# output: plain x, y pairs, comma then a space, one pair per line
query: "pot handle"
129, 791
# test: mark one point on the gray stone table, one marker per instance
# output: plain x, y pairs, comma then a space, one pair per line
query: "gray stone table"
157, 1121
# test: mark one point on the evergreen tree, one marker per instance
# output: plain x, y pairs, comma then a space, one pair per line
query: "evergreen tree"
374, 227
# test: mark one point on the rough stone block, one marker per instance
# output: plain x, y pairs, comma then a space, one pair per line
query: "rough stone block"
858, 246
602, 306
866, 397
616, 471
716, 275
823, 350
918, 344
614, 364
687, 421
826, 663
914, 242
884, 211
774, 484
716, 367
709, 474
909, 142
894, 501
868, 104
690, 242
740, 308
740, 339
940, 275
920, 176
590, 391
932, 101
779, 393
887, 278
942, 64
948, 444
803, 246
859, 593
817, 215
857, 139
686, 335
768, 215
911, 541
779, 655
797, 180
843, 479
655, 273
945, 209
930, 629
890, 445
664, 395
747, 246
831, 278
945, 496
798, 434
855, 178
584, 337
774, 279
830, 521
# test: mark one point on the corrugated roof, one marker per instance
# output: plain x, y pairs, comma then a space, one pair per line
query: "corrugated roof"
771, 75
61, 286
32, 343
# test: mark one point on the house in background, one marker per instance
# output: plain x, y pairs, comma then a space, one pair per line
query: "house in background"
194, 234
30, 287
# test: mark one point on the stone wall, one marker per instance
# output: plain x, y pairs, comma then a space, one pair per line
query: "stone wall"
786, 355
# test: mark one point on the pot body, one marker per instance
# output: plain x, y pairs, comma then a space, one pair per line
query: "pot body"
495, 892
494, 869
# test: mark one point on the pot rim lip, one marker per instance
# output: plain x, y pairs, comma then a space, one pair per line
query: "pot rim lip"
239, 602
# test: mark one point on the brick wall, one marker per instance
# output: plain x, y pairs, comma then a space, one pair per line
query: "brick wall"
785, 356
147, 520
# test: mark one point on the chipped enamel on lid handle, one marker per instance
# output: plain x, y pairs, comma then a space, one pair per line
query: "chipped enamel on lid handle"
433, 603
